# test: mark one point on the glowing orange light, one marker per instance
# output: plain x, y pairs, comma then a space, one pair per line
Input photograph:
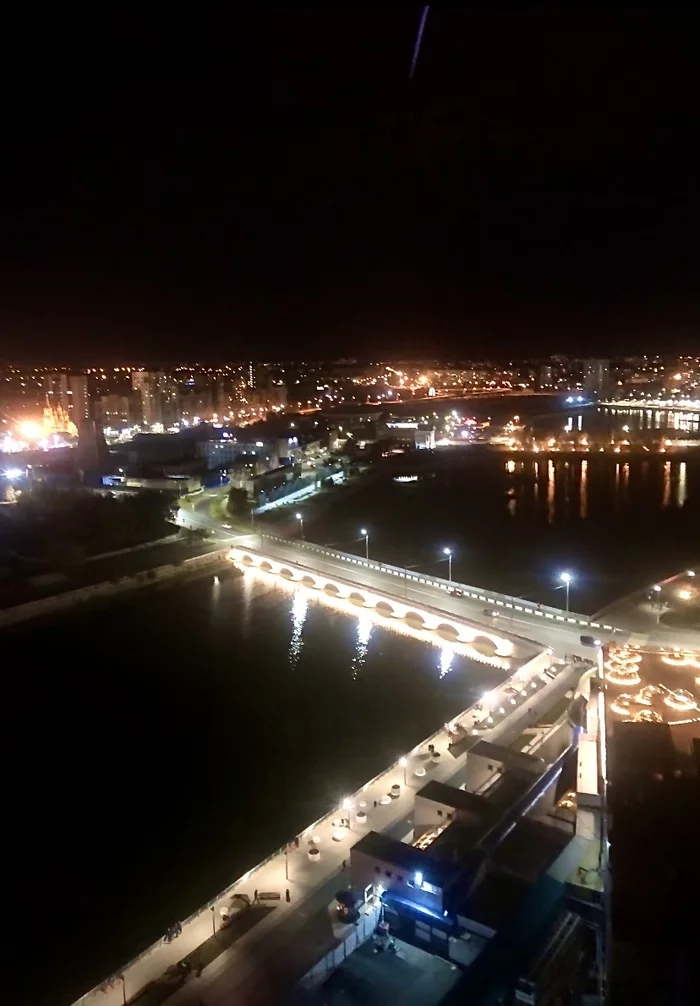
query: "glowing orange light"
31, 431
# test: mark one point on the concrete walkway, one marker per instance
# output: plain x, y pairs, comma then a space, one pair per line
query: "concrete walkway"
638, 616
289, 939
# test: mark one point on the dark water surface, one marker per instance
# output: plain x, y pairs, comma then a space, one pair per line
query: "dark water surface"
514, 522
164, 744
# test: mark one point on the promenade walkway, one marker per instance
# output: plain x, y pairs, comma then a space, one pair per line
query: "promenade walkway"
287, 940
641, 618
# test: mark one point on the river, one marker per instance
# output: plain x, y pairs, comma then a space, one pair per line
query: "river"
165, 743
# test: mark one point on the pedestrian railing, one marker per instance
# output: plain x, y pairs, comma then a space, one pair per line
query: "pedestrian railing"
506, 601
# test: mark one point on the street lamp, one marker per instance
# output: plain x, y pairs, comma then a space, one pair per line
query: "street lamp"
300, 518
566, 579
365, 534
448, 553
403, 762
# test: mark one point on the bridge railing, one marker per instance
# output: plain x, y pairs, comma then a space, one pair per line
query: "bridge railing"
542, 611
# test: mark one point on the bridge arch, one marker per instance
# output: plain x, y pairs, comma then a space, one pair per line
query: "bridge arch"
357, 598
383, 607
447, 630
414, 618
286, 572
484, 645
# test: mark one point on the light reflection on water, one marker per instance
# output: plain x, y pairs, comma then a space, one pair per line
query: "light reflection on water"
550, 493
299, 611
447, 654
369, 617
364, 632
566, 479
666, 500
682, 490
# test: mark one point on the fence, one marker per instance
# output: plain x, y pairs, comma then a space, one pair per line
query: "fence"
318, 974
542, 611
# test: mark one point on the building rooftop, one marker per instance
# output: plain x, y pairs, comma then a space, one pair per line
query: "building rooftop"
641, 751
413, 978
451, 796
457, 841
495, 900
530, 849
508, 757
404, 857
508, 788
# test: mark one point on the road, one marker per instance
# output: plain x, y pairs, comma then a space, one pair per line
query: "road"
621, 622
563, 636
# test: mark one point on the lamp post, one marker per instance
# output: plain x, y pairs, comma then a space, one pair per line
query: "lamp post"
365, 534
448, 553
300, 518
566, 579
403, 762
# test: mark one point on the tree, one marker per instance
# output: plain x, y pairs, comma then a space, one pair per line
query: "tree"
238, 502
198, 534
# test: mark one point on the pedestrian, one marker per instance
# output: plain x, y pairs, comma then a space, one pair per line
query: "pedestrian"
375, 804
255, 894
287, 895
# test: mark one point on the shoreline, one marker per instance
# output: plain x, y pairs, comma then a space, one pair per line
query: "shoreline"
156, 576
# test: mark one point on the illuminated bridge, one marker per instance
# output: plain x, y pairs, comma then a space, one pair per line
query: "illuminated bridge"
453, 609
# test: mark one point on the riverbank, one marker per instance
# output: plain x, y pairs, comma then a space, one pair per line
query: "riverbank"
107, 589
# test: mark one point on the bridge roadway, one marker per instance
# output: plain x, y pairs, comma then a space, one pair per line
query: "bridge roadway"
263, 963
550, 627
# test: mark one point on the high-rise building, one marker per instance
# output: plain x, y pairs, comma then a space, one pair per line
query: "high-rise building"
68, 393
546, 376
57, 391
596, 377
78, 398
158, 395
114, 410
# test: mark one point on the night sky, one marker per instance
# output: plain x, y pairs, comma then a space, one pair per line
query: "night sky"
178, 183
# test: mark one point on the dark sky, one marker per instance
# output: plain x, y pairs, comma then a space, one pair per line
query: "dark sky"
177, 183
